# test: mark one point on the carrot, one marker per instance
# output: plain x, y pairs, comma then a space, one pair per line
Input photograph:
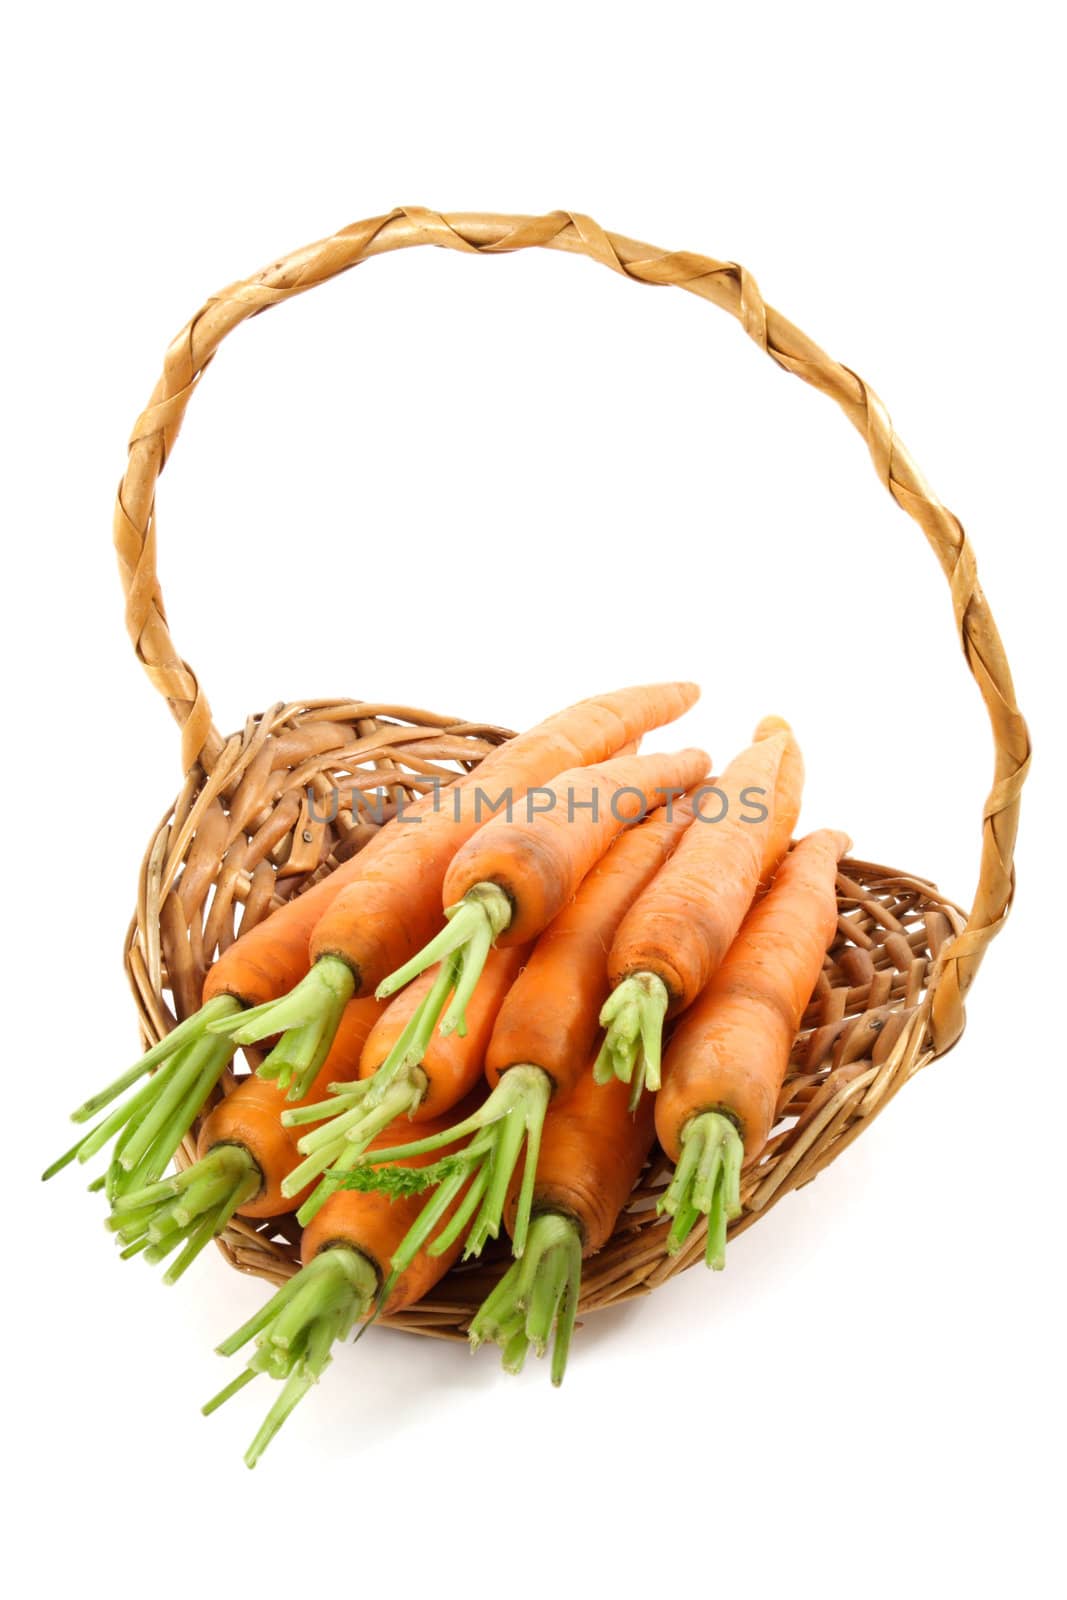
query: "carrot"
244, 1155
446, 1069
788, 789
262, 964
680, 929
592, 1150
729, 1055
394, 906
550, 1016
546, 1030
345, 1256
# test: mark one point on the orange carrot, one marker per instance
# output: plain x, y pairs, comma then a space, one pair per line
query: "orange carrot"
727, 1060
679, 930
592, 1150
345, 1254
443, 1069
244, 1154
547, 1025
394, 906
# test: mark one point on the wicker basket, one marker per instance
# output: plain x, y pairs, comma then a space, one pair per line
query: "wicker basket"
246, 833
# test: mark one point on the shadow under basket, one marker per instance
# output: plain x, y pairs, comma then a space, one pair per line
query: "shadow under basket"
272, 809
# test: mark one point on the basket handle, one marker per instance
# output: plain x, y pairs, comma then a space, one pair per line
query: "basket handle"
725, 284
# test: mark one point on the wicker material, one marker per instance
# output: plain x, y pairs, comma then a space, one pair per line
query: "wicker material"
242, 834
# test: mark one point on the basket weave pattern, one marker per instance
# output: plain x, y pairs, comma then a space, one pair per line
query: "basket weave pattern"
253, 824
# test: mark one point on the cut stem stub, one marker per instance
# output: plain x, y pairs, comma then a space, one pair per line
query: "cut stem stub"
706, 1182
357, 1112
337, 1147
511, 1118
473, 926
192, 1208
150, 1124
296, 1330
535, 1296
633, 1015
307, 1019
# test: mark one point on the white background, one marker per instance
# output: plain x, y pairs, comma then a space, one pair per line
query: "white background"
492, 487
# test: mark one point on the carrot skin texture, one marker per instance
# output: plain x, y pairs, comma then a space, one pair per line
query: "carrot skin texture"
682, 926
592, 1151
788, 790
550, 1016
271, 958
251, 1115
394, 907
453, 1062
540, 861
730, 1052
375, 1225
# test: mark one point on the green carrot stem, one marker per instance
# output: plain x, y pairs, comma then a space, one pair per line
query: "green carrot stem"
347, 1149
405, 1093
436, 1208
473, 925
633, 1015
460, 1218
62, 1161
307, 1019
414, 1040
130, 1225
511, 1118
125, 1116
536, 1296
501, 1161
341, 1098
228, 1393
191, 1208
185, 1033
143, 1159
150, 1123
297, 1329
706, 1182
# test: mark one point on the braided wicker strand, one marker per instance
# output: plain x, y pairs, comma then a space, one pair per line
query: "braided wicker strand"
239, 835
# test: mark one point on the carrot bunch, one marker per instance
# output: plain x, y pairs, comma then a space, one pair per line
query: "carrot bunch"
484, 1022
541, 869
